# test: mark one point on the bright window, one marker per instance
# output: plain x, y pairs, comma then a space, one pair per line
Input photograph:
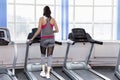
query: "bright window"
23, 15
97, 17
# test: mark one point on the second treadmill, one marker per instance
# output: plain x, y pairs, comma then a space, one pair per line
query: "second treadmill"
81, 70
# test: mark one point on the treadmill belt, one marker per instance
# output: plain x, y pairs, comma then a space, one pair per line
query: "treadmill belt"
87, 75
4, 77
37, 75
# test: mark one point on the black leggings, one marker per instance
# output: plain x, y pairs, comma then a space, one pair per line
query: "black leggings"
49, 55
49, 50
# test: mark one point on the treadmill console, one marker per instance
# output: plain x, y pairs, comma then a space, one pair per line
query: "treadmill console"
2, 34
78, 35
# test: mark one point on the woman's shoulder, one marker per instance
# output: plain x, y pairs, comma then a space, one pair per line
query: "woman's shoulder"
41, 18
52, 19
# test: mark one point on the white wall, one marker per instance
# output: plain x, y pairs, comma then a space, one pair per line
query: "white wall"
103, 55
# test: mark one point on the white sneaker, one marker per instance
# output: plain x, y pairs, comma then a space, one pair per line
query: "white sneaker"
42, 74
47, 76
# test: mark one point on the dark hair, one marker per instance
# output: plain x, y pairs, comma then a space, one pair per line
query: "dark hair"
47, 12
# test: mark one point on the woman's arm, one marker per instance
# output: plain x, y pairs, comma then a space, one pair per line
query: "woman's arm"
56, 27
38, 30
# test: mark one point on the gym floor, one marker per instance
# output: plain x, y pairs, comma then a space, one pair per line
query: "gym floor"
107, 71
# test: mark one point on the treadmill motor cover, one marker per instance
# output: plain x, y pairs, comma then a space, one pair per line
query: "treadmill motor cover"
77, 65
34, 67
4, 77
3, 70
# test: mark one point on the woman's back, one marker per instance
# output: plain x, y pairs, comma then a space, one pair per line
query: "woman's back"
47, 28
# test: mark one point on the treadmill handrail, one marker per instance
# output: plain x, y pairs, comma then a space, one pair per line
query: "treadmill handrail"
91, 41
30, 42
95, 41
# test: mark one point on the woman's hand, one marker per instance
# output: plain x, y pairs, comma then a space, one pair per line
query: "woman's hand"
29, 41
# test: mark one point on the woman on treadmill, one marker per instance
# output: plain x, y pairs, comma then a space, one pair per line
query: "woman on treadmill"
47, 27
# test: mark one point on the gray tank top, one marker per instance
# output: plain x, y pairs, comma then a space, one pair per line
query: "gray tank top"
47, 30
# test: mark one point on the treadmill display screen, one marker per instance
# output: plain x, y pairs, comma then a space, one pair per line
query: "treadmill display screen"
2, 34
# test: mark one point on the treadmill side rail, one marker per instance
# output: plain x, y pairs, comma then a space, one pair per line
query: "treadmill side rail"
12, 75
74, 76
117, 74
100, 75
57, 75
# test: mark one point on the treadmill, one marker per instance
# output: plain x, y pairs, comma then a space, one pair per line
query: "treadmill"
81, 70
117, 68
7, 74
32, 70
